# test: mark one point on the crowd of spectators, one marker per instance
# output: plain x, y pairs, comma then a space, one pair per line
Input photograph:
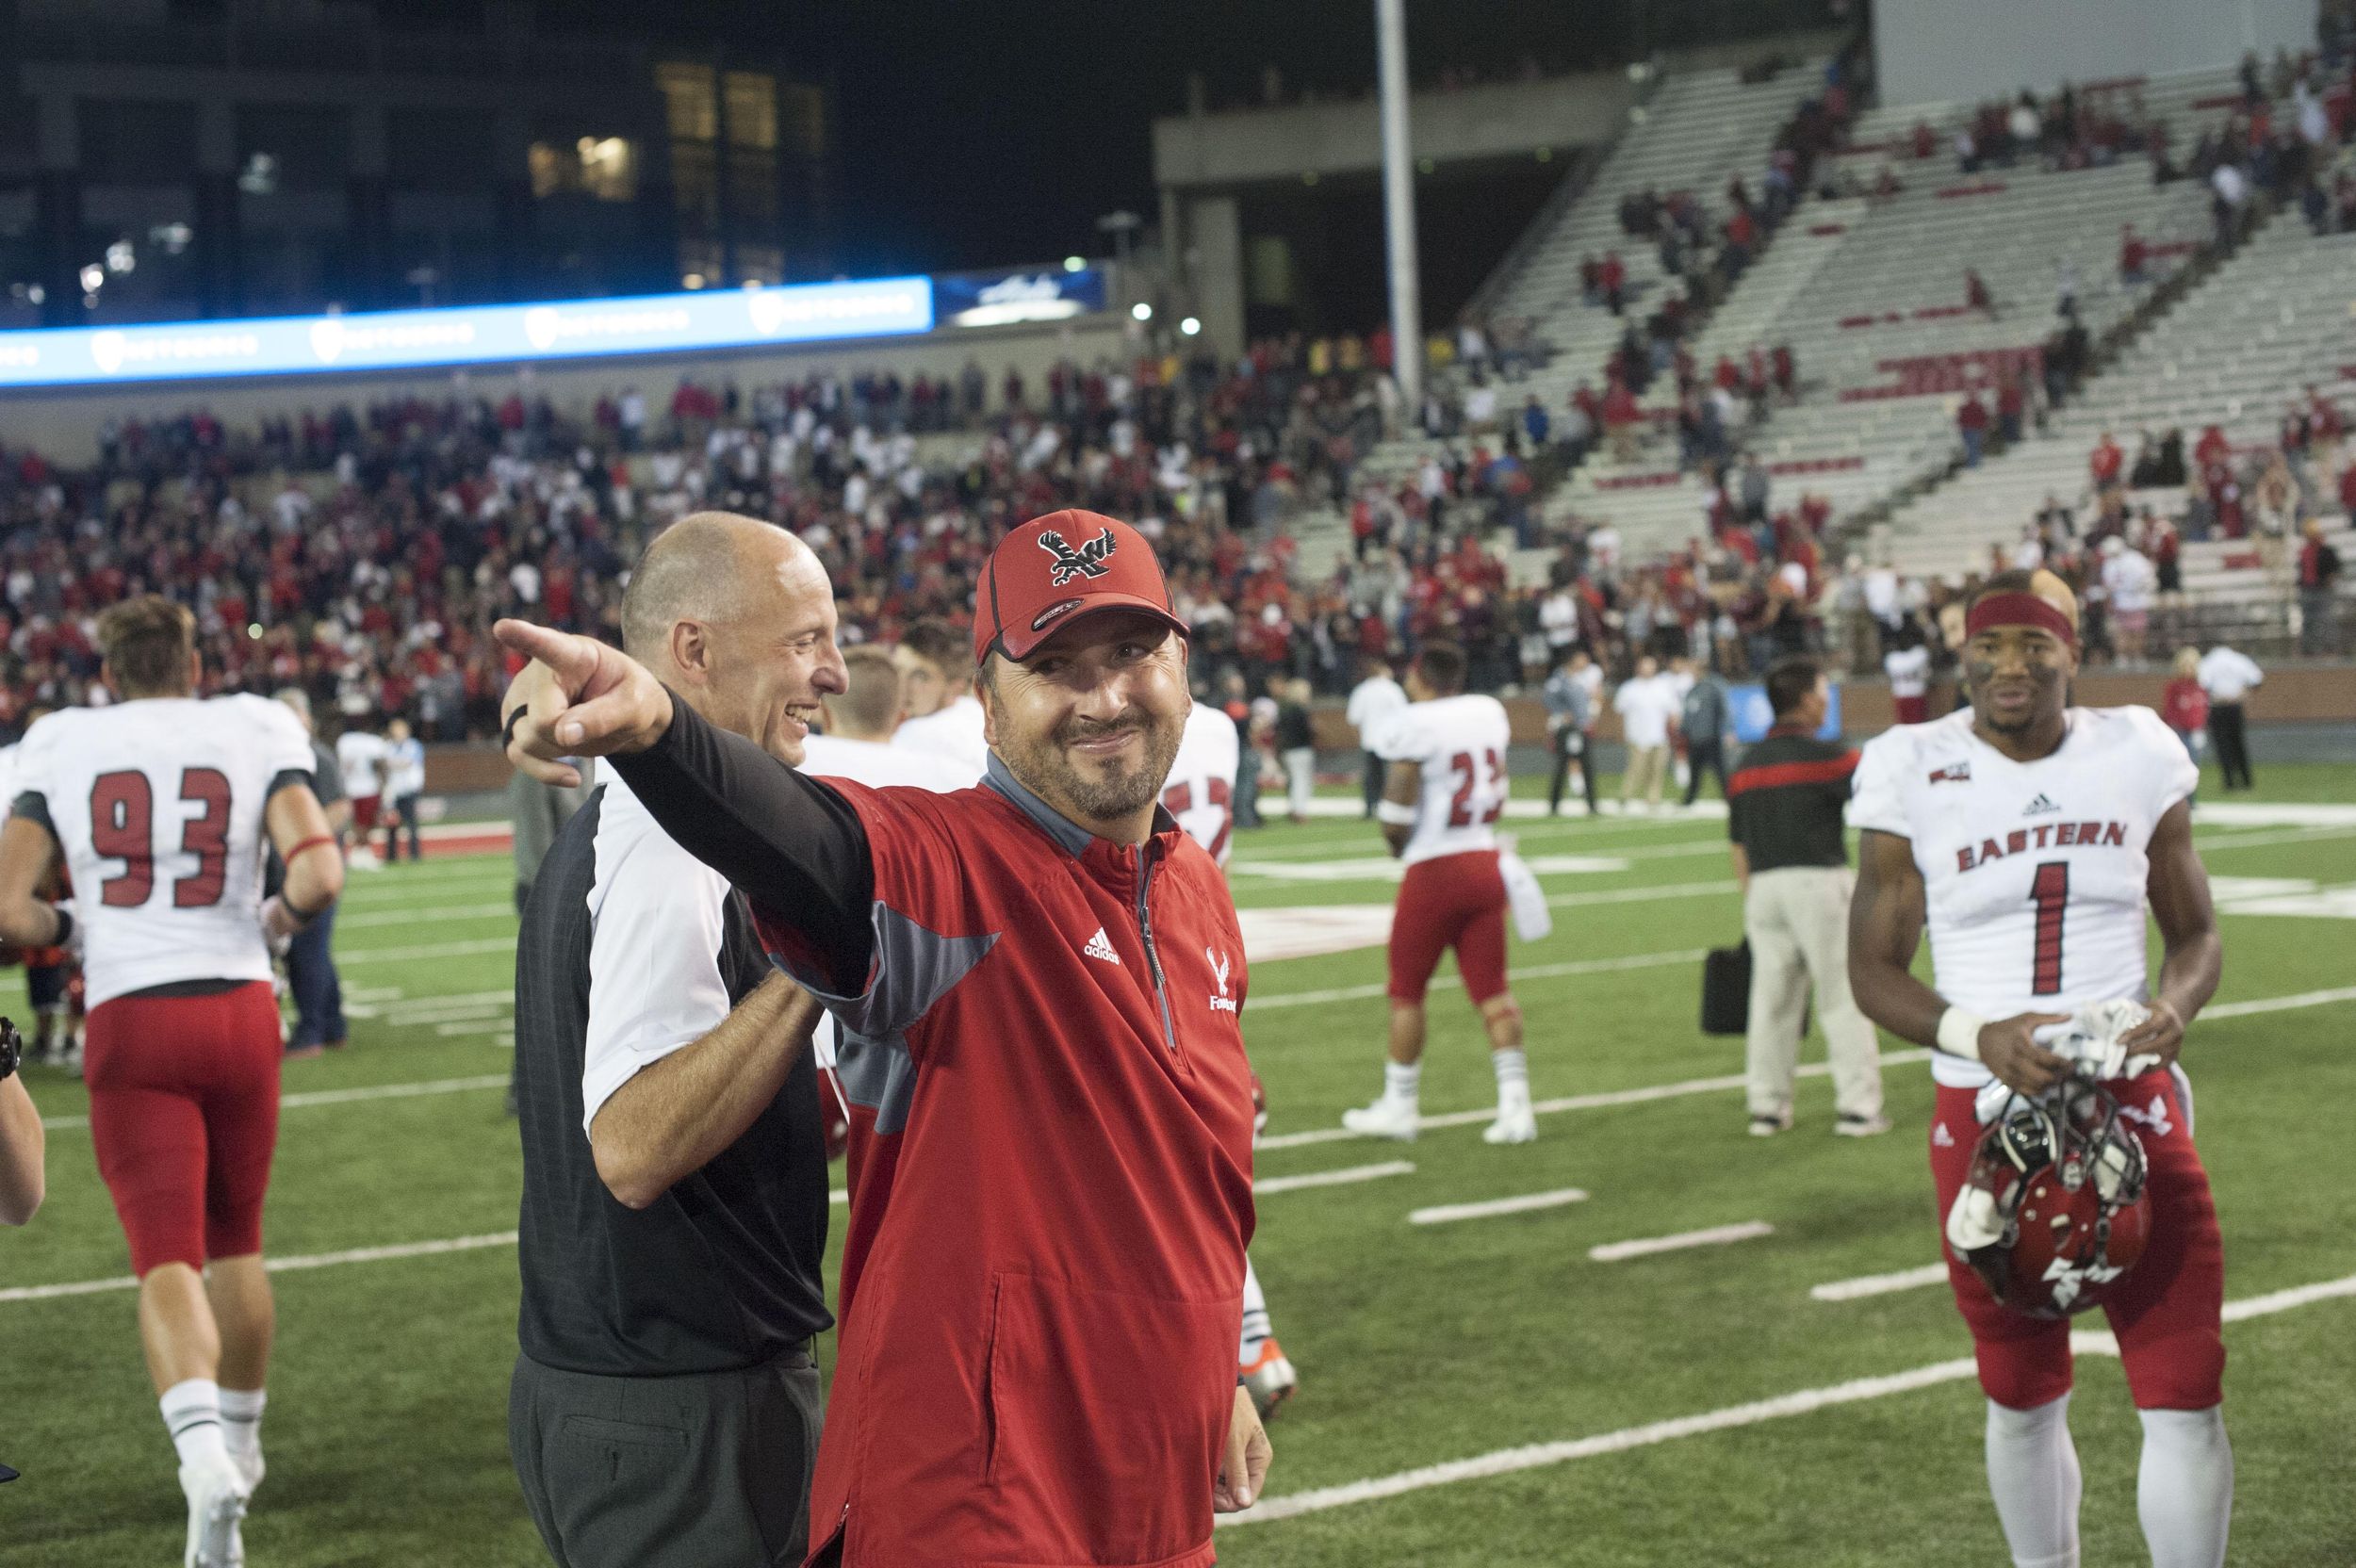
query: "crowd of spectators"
362, 551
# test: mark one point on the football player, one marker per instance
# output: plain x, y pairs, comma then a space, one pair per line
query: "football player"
1446, 790
49, 978
1200, 793
159, 804
2031, 836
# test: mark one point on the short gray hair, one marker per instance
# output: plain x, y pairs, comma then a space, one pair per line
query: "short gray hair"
690, 572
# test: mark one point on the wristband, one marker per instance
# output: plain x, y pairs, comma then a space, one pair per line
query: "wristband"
1396, 814
65, 926
1959, 1033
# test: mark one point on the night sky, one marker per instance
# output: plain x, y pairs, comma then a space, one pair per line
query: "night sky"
975, 135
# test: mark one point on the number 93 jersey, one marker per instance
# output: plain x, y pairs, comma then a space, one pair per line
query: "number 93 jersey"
1460, 743
2035, 872
158, 807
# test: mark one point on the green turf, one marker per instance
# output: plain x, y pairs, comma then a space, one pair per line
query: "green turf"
386, 1428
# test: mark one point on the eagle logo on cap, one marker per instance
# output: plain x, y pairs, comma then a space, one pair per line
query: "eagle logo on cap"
1088, 560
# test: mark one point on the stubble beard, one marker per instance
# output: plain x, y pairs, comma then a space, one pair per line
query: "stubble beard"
1111, 792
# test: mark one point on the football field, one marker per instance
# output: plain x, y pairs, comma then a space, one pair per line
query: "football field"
1490, 1375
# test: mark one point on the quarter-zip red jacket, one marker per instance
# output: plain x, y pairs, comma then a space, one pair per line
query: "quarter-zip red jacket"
1051, 1155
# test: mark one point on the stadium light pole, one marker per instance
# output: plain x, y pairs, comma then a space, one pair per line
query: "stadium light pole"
1398, 207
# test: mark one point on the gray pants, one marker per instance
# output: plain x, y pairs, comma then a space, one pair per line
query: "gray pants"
1797, 920
709, 1470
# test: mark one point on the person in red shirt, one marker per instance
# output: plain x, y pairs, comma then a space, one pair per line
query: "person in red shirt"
1039, 981
1971, 423
2105, 463
2185, 706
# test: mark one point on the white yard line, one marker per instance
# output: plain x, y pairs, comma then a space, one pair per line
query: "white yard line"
1716, 1235
1641, 896
279, 1265
432, 950
340, 1096
1444, 1213
1880, 1285
1534, 971
1343, 1177
1639, 1095
423, 917
1537, 1456
2276, 1003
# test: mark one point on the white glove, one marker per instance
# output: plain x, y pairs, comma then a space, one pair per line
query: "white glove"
279, 925
2090, 1040
1973, 1222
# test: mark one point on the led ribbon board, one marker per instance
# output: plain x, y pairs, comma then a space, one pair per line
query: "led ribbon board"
474, 335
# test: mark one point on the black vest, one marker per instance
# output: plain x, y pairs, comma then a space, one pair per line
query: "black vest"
723, 1270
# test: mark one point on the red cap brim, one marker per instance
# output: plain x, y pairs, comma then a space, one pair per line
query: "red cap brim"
1023, 639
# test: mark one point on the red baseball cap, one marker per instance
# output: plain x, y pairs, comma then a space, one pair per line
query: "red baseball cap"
1054, 569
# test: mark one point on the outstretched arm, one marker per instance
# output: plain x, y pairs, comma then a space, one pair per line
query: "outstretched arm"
795, 845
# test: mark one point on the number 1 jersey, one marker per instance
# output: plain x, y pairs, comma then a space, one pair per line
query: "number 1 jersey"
2036, 872
1459, 743
158, 805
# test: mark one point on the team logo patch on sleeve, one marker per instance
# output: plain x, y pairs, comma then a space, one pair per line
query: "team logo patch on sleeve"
1088, 560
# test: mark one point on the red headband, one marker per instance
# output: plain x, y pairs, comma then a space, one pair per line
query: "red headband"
1995, 610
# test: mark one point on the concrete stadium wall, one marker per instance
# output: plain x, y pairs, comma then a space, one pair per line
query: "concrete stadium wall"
62, 423
1934, 51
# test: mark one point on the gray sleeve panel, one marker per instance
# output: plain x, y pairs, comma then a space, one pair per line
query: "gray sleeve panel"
913, 969
879, 1074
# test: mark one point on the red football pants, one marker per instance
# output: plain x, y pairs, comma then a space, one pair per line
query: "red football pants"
1453, 900
184, 1111
2164, 1313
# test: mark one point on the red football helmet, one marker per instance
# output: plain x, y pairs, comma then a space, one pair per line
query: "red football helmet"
2063, 1176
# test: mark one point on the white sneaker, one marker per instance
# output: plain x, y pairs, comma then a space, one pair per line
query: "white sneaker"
1516, 1124
1861, 1126
216, 1504
1387, 1117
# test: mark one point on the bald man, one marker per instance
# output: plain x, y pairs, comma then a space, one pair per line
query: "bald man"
665, 1407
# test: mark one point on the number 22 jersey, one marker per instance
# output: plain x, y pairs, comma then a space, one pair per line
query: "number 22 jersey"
1459, 743
2036, 872
158, 805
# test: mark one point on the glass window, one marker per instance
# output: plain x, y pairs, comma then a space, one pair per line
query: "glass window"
693, 101
602, 166
752, 109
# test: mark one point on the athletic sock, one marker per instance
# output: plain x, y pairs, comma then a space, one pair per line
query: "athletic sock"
242, 1421
1513, 1073
2033, 1474
1255, 1324
1402, 1081
193, 1415
2185, 1489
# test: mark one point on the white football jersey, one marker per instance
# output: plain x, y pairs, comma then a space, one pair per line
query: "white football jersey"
1201, 789
1460, 741
360, 756
2035, 872
954, 731
159, 805
881, 765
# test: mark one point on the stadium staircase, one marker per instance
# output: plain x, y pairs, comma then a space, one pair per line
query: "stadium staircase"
1696, 131
1870, 296
2236, 351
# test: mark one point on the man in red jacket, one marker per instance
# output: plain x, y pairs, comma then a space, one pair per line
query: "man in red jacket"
1039, 983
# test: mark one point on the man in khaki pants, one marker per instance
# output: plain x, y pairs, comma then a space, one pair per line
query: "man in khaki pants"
1784, 815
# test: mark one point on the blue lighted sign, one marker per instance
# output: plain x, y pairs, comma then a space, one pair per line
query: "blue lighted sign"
476, 335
